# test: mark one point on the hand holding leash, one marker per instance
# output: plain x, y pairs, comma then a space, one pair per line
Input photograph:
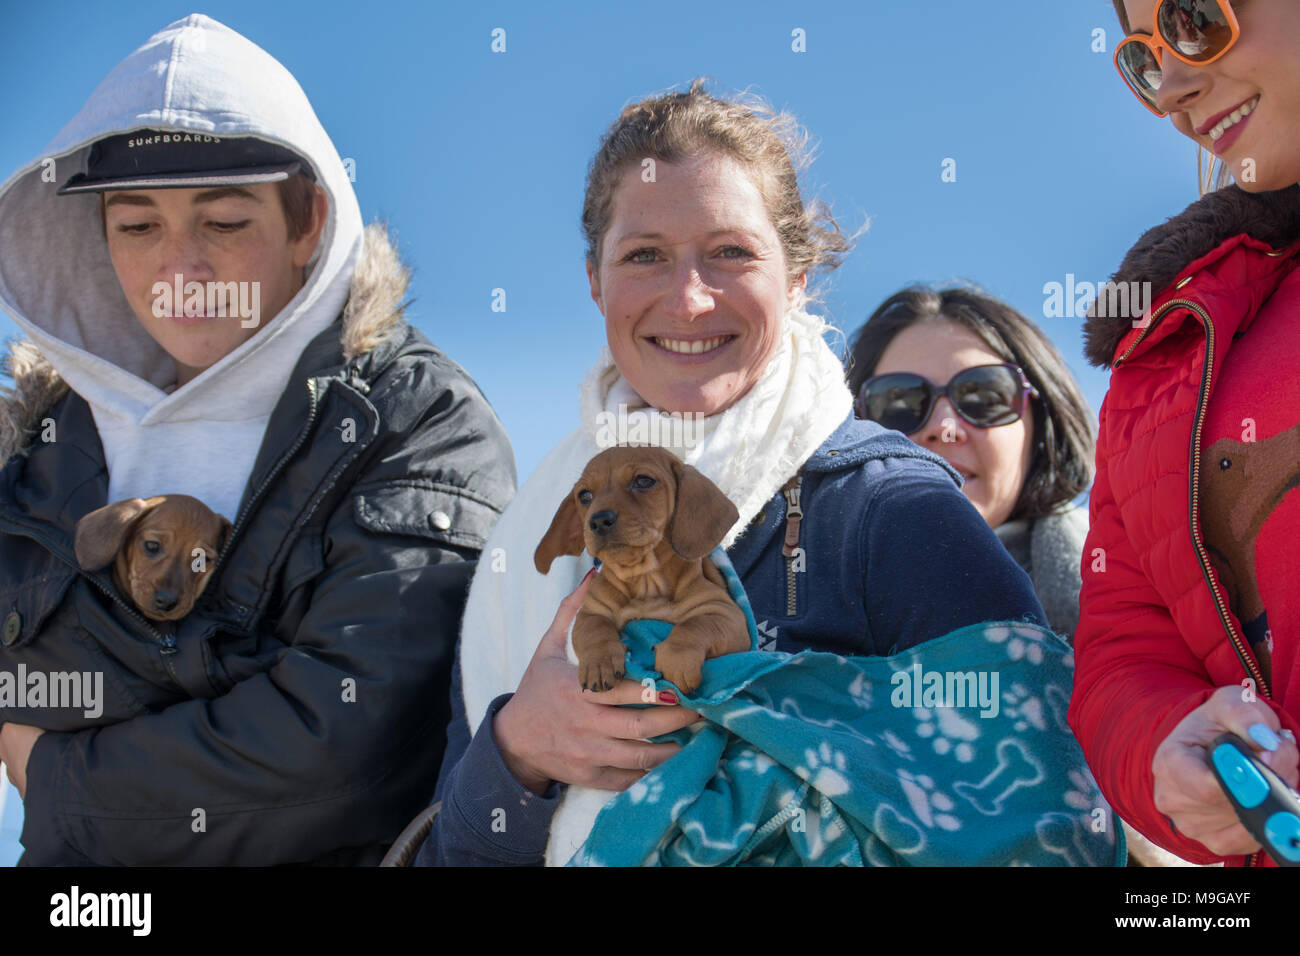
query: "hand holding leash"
1186, 790
1265, 805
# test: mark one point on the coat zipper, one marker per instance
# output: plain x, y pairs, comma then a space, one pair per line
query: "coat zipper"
793, 515
167, 640
1194, 504
242, 518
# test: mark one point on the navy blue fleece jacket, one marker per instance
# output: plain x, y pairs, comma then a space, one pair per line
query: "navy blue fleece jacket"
895, 555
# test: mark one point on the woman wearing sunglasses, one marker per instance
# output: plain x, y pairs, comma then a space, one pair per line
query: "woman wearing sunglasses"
970, 378
974, 381
1190, 607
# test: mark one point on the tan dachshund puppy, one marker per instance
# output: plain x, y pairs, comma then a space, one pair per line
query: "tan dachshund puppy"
651, 521
154, 544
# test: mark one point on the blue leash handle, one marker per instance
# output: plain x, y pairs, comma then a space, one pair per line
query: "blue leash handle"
1267, 807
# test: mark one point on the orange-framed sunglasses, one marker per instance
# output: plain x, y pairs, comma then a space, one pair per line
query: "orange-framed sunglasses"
1197, 32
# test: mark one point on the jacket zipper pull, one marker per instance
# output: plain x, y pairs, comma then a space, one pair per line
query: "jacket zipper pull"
356, 381
793, 515
169, 643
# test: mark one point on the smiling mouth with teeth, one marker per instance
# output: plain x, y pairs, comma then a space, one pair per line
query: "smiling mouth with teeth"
696, 347
1236, 116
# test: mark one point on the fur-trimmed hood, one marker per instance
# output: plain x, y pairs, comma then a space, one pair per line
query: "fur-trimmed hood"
194, 80
1164, 251
373, 314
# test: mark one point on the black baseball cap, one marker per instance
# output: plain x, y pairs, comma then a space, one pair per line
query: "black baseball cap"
181, 159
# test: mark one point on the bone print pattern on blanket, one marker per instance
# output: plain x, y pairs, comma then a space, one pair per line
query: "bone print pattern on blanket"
815, 759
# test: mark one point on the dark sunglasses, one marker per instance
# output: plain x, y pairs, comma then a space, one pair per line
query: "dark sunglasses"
1194, 31
985, 396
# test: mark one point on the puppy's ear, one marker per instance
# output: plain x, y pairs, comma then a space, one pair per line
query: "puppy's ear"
563, 537
100, 534
703, 514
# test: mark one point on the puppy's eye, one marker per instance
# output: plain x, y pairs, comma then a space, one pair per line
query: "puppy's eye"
643, 482
585, 496
152, 548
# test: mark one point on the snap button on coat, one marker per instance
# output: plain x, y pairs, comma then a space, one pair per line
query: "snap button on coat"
13, 627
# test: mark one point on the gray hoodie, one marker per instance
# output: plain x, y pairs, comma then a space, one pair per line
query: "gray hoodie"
57, 282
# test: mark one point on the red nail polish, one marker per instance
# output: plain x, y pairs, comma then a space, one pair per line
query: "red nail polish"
668, 697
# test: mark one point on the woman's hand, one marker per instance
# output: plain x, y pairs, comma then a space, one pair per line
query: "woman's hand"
16, 743
552, 729
1186, 790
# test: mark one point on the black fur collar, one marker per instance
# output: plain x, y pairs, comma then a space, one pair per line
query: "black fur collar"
1163, 252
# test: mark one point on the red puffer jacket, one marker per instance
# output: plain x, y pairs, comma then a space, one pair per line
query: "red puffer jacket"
1156, 635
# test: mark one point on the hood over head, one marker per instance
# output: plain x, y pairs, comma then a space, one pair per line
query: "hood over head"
196, 76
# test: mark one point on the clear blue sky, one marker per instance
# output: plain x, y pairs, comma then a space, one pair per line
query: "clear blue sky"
476, 159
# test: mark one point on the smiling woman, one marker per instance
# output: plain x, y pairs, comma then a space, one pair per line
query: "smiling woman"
692, 303
1217, 69
976, 382
1194, 510
699, 250
696, 253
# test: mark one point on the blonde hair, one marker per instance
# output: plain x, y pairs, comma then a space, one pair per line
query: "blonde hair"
1211, 172
677, 126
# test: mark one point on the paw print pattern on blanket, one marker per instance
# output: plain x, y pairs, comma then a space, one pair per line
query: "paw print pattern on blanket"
825, 769
1058, 701
951, 732
932, 807
804, 759
1083, 794
647, 789
860, 691
750, 760
1020, 644
1024, 708
823, 828
897, 833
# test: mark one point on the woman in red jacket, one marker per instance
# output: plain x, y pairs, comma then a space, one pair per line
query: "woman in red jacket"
1190, 608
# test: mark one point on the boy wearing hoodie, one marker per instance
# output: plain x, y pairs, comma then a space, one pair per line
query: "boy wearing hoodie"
205, 316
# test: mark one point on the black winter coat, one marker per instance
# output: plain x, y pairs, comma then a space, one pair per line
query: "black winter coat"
298, 713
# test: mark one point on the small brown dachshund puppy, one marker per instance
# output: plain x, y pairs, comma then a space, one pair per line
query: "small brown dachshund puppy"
651, 521
154, 541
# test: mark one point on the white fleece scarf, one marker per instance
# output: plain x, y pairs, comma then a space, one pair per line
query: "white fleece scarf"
749, 450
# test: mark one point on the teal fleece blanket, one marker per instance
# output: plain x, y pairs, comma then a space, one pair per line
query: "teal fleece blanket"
955, 752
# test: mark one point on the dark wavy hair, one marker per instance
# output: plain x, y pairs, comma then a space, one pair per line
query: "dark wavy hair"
1064, 439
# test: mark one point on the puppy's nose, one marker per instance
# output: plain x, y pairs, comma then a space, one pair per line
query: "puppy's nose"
602, 521
164, 600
